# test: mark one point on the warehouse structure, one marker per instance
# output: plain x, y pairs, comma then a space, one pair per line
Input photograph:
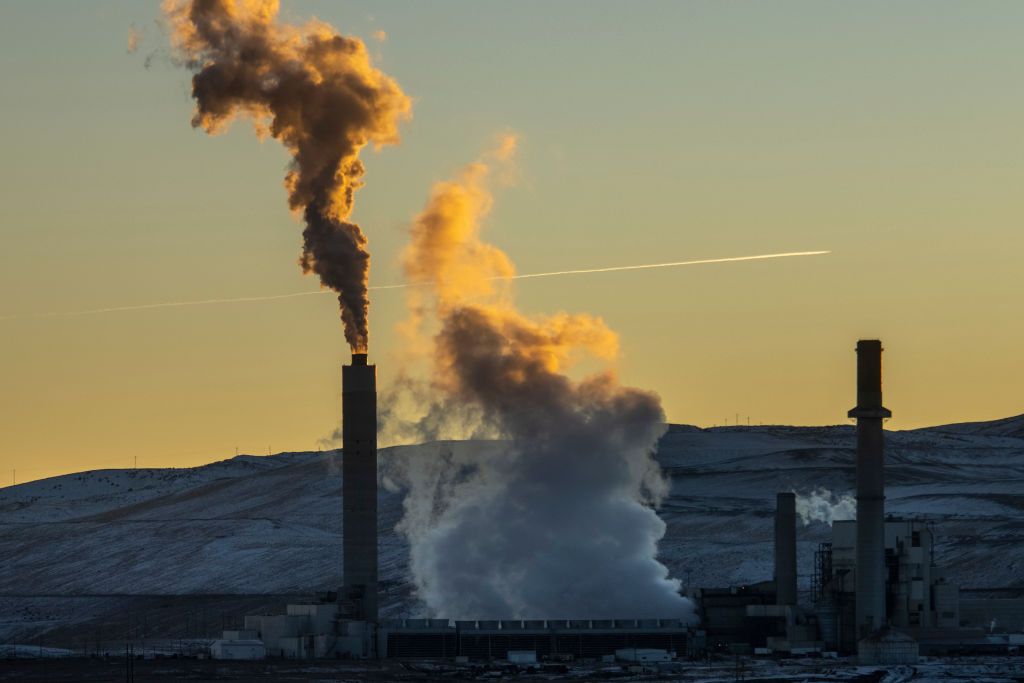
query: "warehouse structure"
320, 631
559, 639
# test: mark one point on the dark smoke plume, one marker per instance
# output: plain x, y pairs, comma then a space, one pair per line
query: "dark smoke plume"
316, 92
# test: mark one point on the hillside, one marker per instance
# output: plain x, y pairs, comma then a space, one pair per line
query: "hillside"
271, 525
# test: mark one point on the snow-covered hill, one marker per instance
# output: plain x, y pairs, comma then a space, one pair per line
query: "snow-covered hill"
272, 524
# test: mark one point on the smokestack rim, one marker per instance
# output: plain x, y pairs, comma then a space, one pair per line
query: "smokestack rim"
359, 359
869, 345
869, 382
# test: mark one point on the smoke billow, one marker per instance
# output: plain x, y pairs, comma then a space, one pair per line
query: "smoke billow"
135, 36
318, 93
555, 517
822, 505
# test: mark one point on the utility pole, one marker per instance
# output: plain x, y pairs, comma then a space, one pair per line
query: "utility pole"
129, 663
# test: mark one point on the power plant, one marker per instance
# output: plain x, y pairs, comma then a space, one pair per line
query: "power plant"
875, 591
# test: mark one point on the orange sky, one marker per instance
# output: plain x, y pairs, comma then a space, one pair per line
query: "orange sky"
888, 134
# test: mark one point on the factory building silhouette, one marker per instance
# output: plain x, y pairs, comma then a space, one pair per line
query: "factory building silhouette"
875, 589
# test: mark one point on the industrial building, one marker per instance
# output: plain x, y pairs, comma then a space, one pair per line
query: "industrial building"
877, 591
320, 631
925, 612
346, 624
561, 639
341, 624
238, 645
917, 595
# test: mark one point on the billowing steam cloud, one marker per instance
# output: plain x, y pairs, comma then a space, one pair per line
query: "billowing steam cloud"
317, 93
554, 518
822, 505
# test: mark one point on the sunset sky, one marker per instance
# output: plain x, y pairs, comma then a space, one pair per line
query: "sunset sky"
891, 134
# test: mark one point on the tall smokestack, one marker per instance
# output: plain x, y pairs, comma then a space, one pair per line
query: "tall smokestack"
785, 549
870, 606
359, 486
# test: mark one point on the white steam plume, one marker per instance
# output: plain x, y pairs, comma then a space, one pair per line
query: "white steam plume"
822, 505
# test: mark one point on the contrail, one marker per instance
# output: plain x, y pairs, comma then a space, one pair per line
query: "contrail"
524, 276
671, 264
166, 304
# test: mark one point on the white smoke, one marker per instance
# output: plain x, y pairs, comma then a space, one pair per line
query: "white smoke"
822, 505
538, 529
554, 517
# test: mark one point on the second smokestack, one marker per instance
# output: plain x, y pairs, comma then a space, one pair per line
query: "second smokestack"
870, 567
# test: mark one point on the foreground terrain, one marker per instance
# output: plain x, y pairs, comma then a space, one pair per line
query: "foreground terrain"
974, 670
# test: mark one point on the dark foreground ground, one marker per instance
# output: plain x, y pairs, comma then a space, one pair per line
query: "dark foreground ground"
100, 671
966, 670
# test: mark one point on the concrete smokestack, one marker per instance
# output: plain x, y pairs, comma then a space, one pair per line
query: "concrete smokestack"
785, 549
870, 605
359, 486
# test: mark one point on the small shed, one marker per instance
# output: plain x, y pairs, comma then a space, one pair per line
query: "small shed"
522, 656
238, 649
887, 646
641, 655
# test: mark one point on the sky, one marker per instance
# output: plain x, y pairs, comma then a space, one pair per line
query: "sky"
888, 133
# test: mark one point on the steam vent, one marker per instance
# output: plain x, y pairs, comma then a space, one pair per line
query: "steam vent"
870, 553
359, 487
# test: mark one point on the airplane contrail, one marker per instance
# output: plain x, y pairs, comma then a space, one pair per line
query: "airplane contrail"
670, 264
403, 285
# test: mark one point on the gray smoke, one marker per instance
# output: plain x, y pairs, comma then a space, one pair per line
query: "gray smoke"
555, 517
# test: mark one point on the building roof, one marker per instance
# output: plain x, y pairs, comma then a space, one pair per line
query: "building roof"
887, 634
